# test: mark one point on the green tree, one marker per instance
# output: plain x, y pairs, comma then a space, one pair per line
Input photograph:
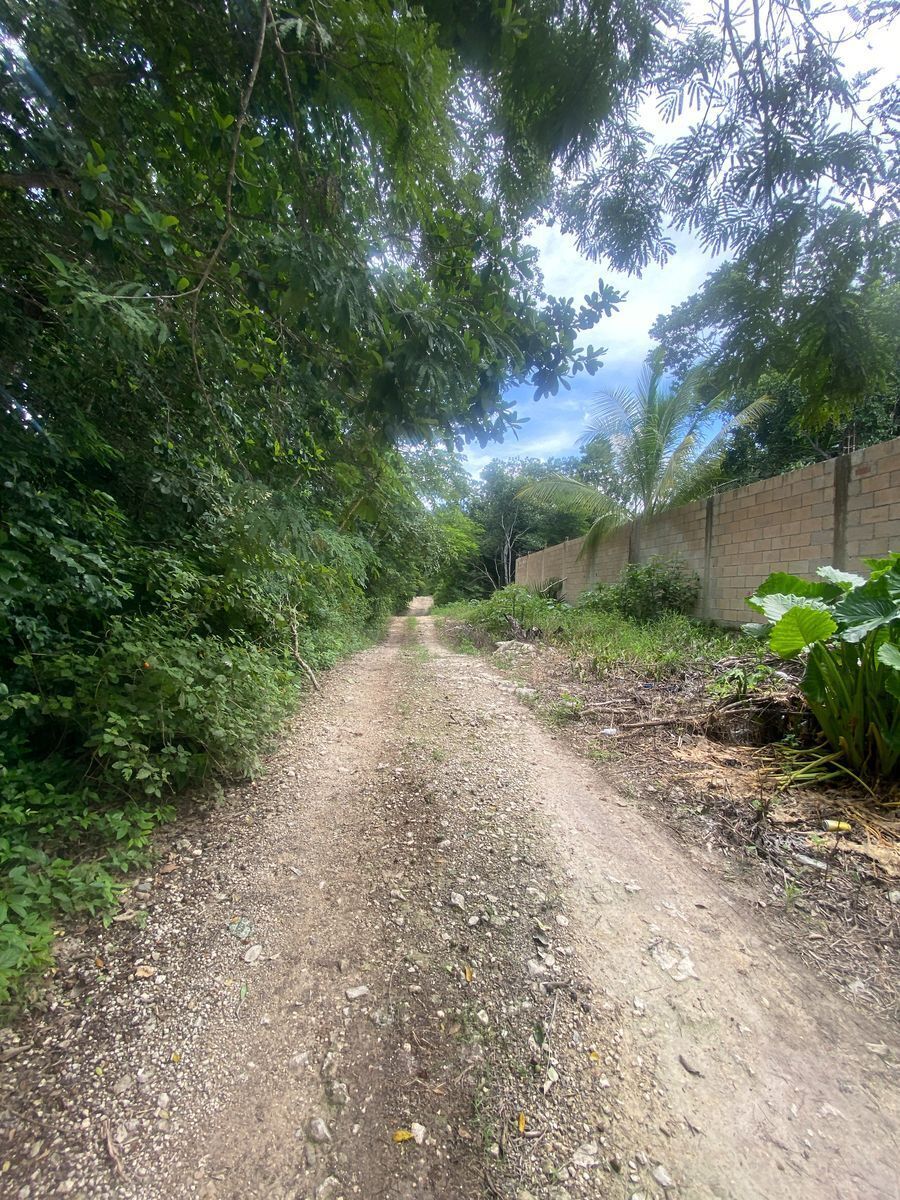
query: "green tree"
505, 524
788, 165
775, 443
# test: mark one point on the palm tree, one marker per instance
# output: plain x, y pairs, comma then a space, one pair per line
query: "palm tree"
652, 448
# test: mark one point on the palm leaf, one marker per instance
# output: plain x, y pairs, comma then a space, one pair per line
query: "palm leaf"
600, 530
562, 492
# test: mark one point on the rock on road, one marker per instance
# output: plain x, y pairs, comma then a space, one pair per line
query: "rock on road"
430, 955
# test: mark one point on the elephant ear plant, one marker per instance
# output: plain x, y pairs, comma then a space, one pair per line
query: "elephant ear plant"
849, 628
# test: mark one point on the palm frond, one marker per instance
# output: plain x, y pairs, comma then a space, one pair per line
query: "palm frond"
600, 530
747, 417
561, 491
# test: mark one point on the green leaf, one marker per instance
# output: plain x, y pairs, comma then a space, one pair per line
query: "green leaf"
881, 566
782, 583
866, 608
845, 580
889, 654
800, 627
774, 606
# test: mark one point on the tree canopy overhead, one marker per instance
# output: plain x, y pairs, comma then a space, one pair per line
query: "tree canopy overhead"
785, 161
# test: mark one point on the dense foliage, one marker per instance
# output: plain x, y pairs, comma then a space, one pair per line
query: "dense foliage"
504, 524
776, 441
850, 629
782, 159
647, 590
248, 264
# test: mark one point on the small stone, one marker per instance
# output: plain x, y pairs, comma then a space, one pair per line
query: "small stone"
240, 928
328, 1189
337, 1093
357, 993
252, 953
674, 959
418, 1132
662, 1177
319, 1131
586, 1155
457, 900
483, 1017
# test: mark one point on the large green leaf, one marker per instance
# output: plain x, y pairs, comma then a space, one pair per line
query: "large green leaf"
775, 606
869, 607
780, 583
889, 655
881, 566
845, 580
800, 627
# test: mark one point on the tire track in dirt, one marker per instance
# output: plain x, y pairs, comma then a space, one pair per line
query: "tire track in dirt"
419, 835
764, 1083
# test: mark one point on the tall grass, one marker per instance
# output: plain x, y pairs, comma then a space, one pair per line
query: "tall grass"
606, 641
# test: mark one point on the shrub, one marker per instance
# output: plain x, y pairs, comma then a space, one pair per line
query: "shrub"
530, 607
647, 590
850, 629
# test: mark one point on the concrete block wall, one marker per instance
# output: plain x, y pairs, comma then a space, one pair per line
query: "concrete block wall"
839, 512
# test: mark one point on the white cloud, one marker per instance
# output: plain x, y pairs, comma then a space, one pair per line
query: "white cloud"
554, 426
626, 334
528, 445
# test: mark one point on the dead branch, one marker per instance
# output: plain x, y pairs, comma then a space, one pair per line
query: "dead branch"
295, 647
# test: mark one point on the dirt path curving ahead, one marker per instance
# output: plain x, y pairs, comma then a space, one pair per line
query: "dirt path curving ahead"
431, 955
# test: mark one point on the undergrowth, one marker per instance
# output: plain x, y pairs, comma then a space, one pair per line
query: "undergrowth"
91, 759
603, 641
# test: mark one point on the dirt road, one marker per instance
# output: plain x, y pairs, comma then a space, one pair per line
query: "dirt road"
430, 955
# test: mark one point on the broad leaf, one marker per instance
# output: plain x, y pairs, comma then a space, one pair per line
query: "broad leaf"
775, 606
784, 584
845, 580
889, 654
869, 607
754, 629
881, 566
800, 627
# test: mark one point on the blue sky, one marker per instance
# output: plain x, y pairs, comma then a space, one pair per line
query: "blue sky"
555, 424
